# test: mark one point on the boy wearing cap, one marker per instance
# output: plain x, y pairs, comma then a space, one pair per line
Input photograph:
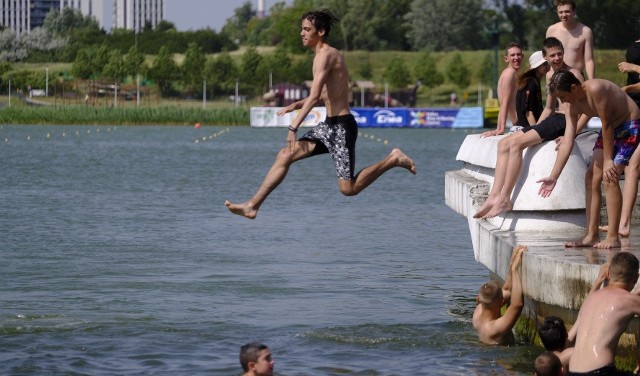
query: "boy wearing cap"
551, 125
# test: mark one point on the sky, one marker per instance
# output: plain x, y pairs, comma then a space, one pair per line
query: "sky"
199, 14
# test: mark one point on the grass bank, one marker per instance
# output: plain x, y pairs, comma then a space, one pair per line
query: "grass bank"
123, 116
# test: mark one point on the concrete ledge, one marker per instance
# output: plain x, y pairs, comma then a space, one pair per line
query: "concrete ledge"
479, 157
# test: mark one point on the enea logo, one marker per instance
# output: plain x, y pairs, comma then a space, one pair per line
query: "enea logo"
360, 119
387, 117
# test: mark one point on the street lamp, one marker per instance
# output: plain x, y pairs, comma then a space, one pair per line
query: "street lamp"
46, 89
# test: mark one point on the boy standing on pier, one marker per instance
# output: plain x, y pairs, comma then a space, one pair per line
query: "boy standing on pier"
614, 147
603, 317
492, 328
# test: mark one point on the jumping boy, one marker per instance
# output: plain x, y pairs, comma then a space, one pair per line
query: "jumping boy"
336, 135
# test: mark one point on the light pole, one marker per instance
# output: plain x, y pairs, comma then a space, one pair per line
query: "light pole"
46, 88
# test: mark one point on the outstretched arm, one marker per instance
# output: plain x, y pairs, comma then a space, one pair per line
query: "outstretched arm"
625, 67
511, 315
506, 288
564, 150
635, 88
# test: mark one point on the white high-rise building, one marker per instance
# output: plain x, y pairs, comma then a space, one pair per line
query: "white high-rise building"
134, 14
91, 8
16, 15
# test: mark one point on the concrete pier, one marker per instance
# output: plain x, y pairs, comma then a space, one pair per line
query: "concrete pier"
555, 279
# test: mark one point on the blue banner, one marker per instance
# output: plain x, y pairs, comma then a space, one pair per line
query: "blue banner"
462, 117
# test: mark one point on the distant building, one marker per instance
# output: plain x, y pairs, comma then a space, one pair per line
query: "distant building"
22, 16
134, 14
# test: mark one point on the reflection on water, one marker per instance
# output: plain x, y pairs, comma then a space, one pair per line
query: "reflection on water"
120, 257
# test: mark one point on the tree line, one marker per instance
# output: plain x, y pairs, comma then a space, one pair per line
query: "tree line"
369, 25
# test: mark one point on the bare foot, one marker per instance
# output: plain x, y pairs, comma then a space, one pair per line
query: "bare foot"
501, 206
486, 206
587, 241
403, 160
608, 243
241, 209
624, 230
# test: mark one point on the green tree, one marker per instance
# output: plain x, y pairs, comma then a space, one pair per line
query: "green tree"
427, 71
82, 68
397, 74
192, 68
250, 62
221, 74
440, 25
114, 70
236, 26
164, 71
458, 73
134, 61
485, 71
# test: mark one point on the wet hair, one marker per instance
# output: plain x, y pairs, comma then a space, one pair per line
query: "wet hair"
490, 292
571, 3
551, 42
553, 334
511, 45
321, 19
562, 81
250, 353
547, 364
624, 268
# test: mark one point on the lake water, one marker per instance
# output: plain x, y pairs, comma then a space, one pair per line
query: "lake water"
119, 257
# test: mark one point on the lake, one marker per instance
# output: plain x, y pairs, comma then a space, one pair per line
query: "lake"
120, 258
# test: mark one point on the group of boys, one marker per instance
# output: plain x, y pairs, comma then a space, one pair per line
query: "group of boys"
571, 102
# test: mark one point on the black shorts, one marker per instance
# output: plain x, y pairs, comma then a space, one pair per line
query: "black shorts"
337, 136
550, 128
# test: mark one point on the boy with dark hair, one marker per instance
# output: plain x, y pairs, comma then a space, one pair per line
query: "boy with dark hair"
256, 360
336, 135
614, 147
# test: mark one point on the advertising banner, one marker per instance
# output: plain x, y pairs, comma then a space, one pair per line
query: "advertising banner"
395, 117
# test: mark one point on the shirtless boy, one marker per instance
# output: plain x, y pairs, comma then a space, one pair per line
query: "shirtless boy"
576, 38
614, 147
551, 125
507, 89
336, 135
603, 317
492, 328
256, 360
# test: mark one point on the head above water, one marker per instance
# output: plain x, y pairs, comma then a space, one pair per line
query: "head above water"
547, 364
623, 268
321, 19
490, 293
553, 334
250, 353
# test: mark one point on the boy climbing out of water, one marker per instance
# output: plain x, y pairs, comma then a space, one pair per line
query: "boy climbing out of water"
614, 147
493, 328
336, 135
603, 317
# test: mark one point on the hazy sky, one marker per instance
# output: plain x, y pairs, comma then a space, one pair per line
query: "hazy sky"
198, 14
